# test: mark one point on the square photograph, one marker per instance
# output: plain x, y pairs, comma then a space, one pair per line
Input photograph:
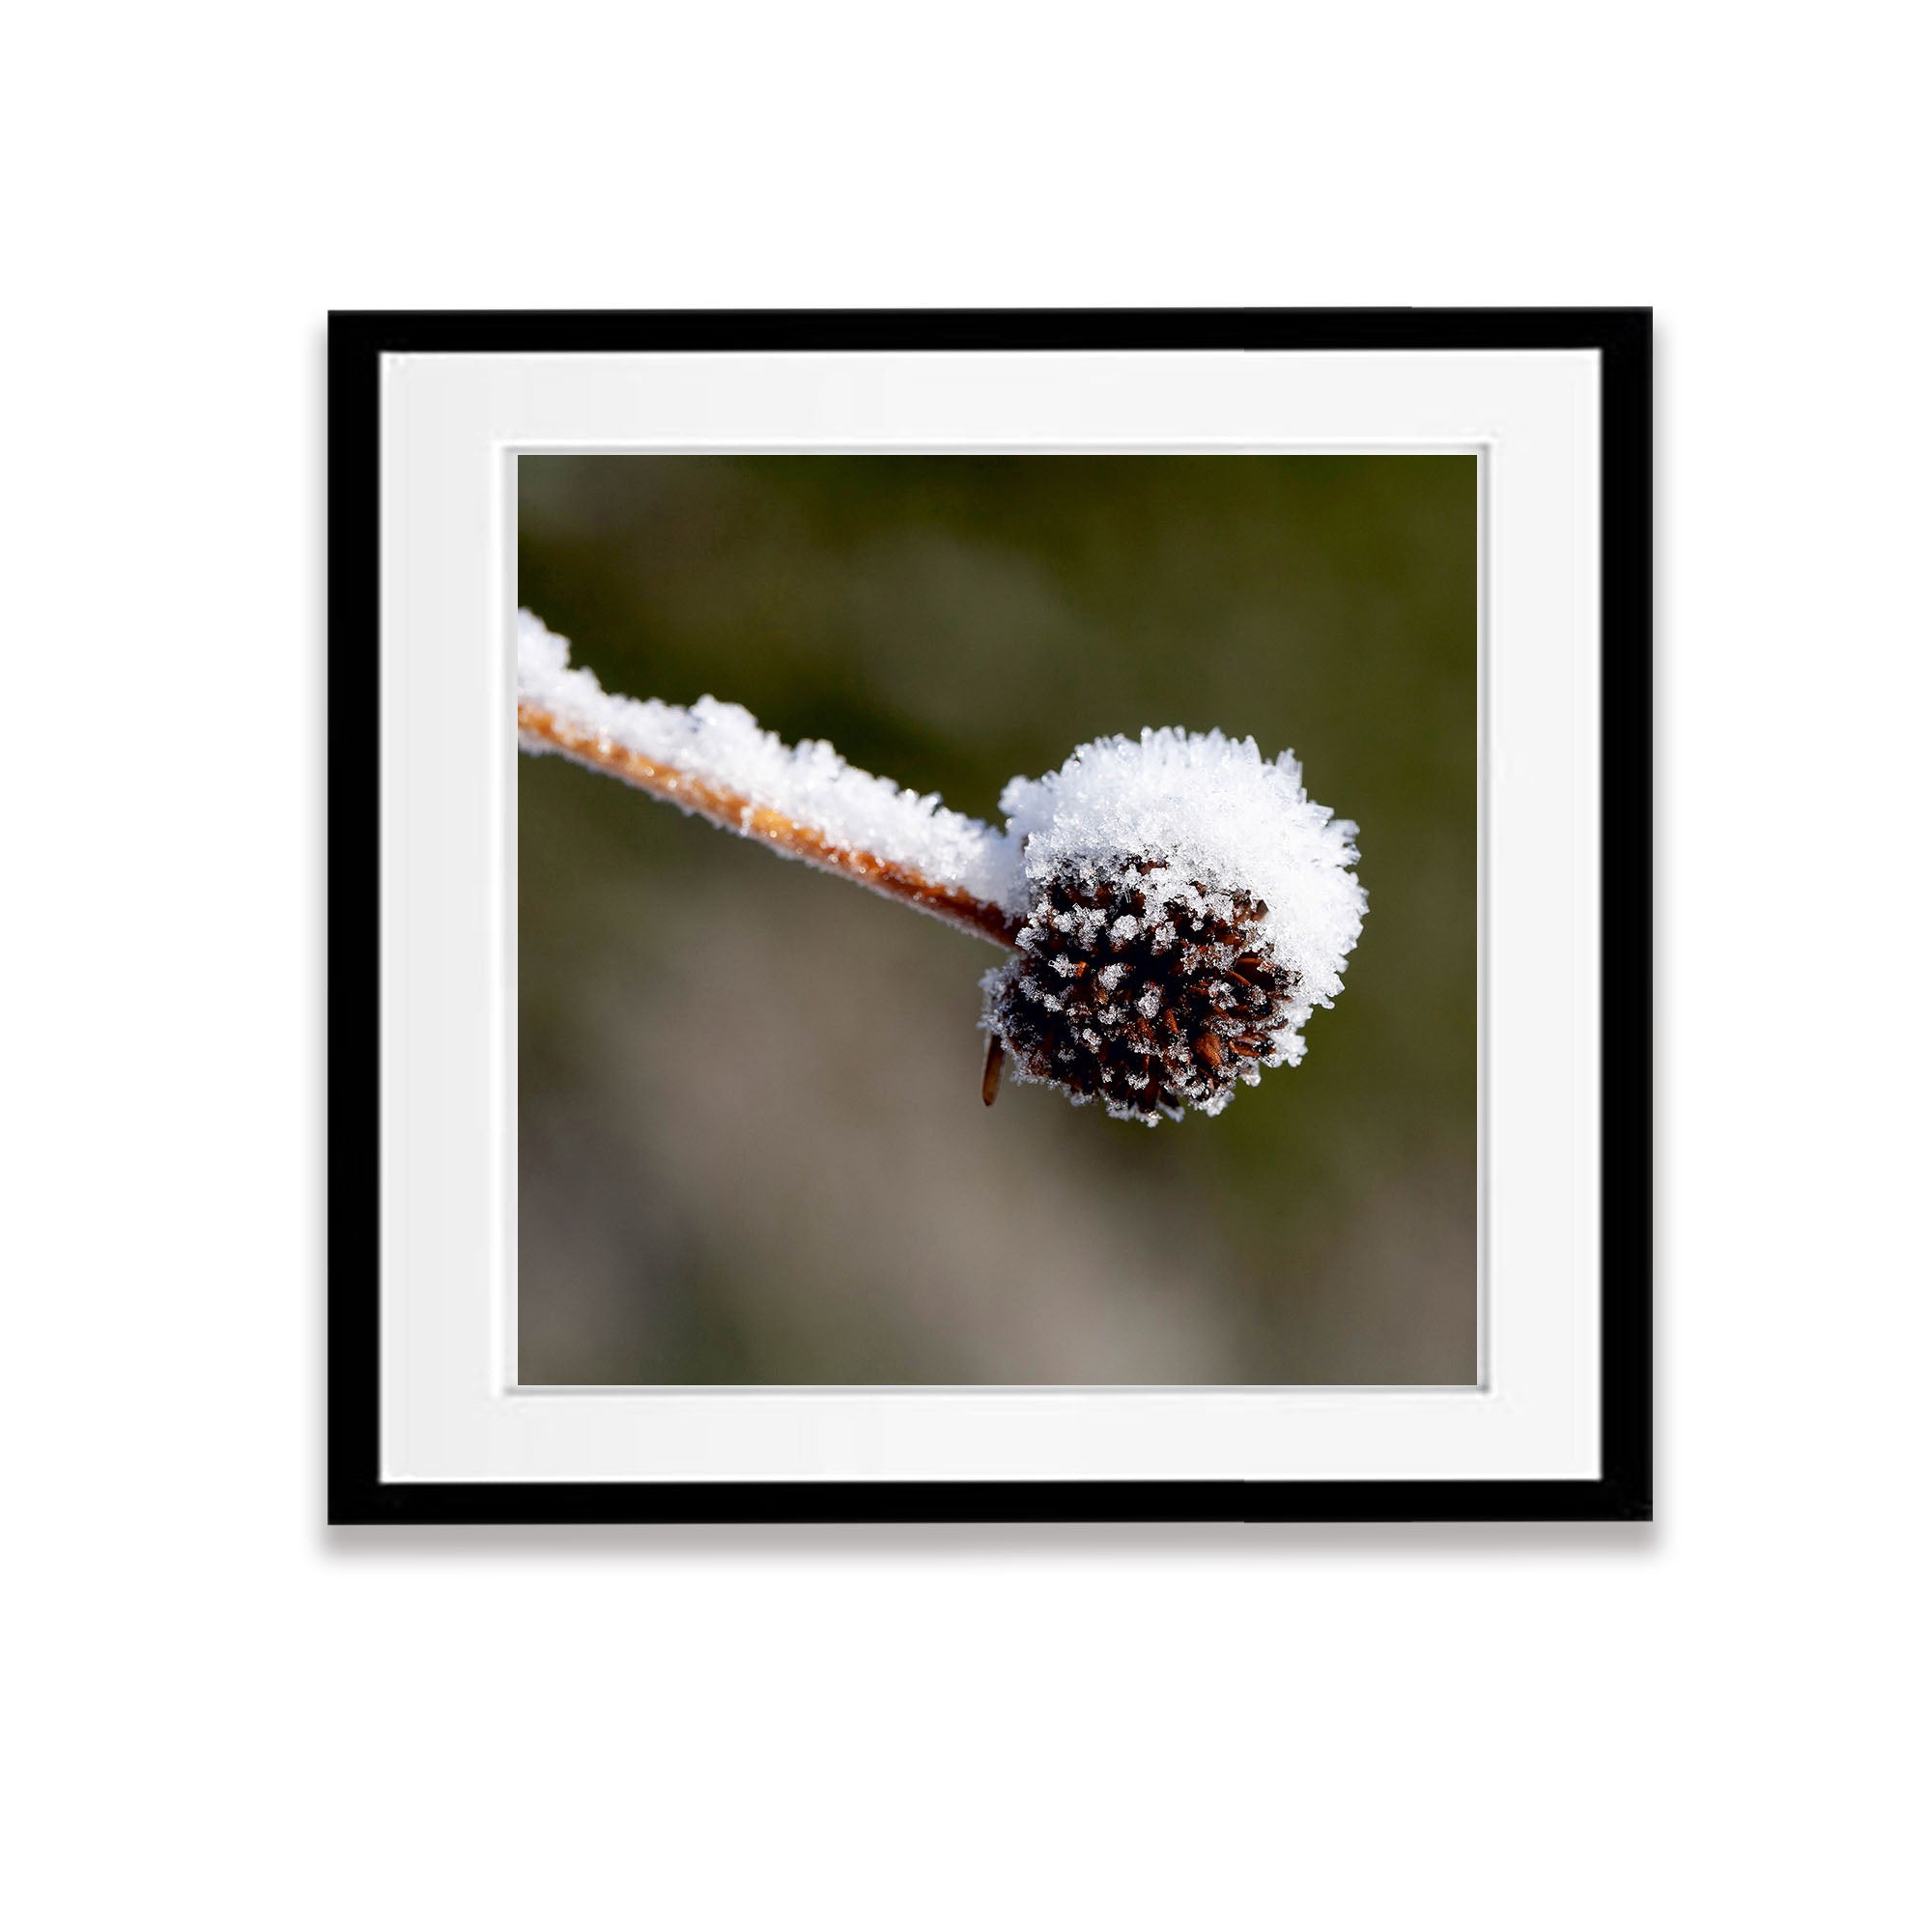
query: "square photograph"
1150, 1057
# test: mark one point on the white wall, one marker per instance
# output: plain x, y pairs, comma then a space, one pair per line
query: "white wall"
220, 1716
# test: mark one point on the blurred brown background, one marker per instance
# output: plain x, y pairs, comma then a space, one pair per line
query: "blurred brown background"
752, 1145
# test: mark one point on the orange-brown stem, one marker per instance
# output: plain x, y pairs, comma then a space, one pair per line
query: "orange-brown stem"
996, 1060
735, 812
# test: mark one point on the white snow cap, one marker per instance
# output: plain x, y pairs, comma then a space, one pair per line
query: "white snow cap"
809, 783
1215, 817
1195, 857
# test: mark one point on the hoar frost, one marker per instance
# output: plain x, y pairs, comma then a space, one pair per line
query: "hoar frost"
1179, 904
809, 783
1192, 905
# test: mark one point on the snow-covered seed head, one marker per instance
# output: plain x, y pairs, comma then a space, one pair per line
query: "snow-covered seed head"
1178, 905
1185, 907
1152, 1005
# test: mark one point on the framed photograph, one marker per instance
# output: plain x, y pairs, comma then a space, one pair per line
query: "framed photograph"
1035, 915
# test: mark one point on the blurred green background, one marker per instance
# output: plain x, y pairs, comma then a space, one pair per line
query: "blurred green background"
752, 1145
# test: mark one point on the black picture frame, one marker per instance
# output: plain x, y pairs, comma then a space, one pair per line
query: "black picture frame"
356, 1494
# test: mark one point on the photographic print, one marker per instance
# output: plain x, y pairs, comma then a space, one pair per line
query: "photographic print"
990, 916
1131, 717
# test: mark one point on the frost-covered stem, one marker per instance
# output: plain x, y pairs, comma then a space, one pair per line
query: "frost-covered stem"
735, 812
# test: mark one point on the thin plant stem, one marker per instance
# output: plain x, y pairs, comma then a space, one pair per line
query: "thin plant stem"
735, 812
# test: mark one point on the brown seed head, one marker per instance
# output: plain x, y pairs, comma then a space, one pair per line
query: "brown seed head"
1150, 1007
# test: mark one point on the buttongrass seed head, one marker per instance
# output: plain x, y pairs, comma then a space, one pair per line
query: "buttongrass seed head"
1184, 907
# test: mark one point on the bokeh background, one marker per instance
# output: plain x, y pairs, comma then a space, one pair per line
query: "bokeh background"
752, 1145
